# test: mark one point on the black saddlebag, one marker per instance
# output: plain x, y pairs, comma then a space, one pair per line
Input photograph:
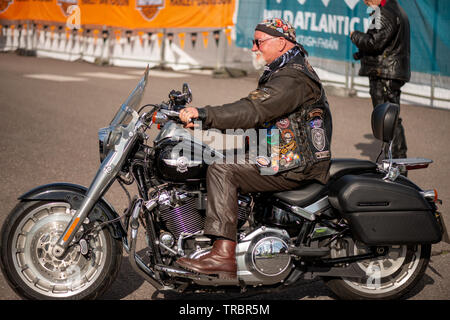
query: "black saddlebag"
383, 212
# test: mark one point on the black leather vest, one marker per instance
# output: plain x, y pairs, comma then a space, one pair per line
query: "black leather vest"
302, 138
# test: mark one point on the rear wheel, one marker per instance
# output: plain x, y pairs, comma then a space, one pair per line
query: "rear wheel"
28, 237
387, 277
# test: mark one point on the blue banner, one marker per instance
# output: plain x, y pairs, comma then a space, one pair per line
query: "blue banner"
323, 27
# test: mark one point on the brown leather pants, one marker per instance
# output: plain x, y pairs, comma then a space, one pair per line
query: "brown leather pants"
224, 181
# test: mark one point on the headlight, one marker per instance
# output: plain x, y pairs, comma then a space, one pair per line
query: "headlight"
107, 138
103, 137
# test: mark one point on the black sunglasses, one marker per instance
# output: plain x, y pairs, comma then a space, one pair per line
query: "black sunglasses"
259, 41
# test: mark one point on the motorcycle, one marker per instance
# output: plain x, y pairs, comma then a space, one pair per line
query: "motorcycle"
367, 233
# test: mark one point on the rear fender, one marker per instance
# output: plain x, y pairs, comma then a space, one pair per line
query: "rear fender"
74, 195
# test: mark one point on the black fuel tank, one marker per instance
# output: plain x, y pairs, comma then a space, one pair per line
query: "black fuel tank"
384, 212
177, 161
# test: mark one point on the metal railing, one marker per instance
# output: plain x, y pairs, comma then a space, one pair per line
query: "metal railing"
27, 40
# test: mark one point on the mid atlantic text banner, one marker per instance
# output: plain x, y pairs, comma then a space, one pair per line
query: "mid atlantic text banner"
323, 27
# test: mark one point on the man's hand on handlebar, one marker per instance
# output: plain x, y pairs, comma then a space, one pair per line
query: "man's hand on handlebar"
187, 115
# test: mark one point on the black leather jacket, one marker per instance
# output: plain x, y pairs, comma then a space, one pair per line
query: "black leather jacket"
385, 51
293, 94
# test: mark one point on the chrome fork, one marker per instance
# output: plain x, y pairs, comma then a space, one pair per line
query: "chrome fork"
105, 176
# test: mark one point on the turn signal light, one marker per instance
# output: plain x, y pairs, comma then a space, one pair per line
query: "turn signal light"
431, 195
435, 196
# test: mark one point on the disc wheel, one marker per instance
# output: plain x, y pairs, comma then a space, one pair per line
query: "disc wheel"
28, 237
389, 276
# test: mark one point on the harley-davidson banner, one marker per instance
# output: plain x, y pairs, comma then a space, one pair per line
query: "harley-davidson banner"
131, 14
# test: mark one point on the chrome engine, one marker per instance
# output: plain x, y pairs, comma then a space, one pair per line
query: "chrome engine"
184, 212
262, 256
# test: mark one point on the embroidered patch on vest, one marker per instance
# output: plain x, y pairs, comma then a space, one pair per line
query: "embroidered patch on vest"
263, 161
317, 123
283, 123
282, 147
315, 113
287, 135
323, 154
318, 138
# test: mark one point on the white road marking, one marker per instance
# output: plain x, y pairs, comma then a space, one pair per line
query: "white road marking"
201, 72
53, 77
107, 75
131, 75
160, 74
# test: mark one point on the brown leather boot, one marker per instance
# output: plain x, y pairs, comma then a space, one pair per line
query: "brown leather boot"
221, 260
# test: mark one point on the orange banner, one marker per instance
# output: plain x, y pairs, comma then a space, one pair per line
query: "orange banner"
129, 14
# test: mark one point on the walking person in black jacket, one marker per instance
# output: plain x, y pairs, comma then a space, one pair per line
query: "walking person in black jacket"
385, 58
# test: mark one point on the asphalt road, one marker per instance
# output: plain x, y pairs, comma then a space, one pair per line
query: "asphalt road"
50, 112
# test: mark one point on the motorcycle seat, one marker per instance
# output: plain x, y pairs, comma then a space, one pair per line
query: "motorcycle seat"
341, 167
304, 196
312, 191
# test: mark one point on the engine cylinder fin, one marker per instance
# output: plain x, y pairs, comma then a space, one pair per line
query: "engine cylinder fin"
187, 218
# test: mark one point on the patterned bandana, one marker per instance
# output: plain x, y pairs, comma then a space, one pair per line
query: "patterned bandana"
278, 28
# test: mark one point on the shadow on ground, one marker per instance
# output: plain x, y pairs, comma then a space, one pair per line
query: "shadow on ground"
369, 149
304, 289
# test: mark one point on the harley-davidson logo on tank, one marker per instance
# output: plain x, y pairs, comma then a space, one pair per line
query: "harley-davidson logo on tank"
149, 8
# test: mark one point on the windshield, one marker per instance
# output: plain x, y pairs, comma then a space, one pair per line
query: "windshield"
124, 114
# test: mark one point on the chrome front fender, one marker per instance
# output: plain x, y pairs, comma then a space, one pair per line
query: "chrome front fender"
74, 195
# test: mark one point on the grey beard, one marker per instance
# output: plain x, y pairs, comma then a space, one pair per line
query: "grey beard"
258, 61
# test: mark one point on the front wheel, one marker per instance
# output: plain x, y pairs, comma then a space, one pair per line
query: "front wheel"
28, 237
387, 277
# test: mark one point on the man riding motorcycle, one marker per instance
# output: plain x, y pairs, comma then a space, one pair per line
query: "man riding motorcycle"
289, 98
